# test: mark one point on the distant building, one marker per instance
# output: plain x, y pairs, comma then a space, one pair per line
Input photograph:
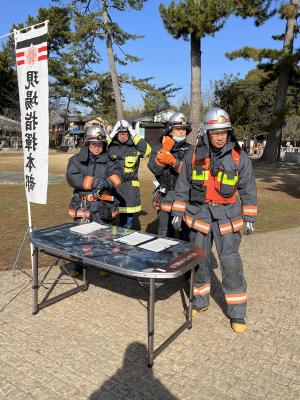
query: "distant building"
9, 126
77, 123
151, 128
77, 126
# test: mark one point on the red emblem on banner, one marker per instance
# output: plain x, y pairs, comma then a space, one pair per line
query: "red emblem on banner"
31, 55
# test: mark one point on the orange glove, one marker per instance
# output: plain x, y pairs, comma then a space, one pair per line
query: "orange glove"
168, 143
165, 157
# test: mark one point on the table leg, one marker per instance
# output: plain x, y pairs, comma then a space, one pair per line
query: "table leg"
151, 302
192, 280
35, 281
84, 276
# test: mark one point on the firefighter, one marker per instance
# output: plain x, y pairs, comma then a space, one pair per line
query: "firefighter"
127, 148
94, 176
216, 197
166, 163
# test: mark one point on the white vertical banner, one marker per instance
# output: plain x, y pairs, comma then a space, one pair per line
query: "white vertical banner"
32, 69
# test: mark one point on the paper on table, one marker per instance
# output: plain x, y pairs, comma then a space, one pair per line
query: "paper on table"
158, 245
85, 229
134, 238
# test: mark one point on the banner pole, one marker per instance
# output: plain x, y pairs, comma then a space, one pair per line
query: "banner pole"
30, 231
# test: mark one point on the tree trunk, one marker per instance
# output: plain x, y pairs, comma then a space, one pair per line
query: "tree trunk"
195, 87
66, 117
272, 150
112, 65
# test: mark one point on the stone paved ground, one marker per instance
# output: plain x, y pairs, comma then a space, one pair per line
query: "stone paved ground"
92, 345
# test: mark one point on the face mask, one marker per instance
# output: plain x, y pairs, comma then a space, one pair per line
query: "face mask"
178, 139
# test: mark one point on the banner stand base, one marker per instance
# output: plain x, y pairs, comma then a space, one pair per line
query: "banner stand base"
13, 272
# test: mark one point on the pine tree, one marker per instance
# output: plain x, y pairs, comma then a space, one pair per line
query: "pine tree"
193, 20
95, 20
58, 39
281, 66
158, 100
9, 99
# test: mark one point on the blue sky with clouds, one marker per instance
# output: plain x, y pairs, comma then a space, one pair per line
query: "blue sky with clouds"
165, 59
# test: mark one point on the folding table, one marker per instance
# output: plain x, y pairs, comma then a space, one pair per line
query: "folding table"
101, 249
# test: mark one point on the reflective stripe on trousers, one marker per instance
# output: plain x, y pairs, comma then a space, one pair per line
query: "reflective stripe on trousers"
233, 282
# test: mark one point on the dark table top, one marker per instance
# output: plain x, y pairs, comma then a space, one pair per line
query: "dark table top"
99, 249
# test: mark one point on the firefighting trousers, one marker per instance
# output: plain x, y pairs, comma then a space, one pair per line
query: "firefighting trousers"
165, 227
233, 281
126, 221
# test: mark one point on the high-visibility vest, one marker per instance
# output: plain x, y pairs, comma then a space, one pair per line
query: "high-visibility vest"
220, 189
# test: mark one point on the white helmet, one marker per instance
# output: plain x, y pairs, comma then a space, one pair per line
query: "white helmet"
216, 118
178, 120
94, 134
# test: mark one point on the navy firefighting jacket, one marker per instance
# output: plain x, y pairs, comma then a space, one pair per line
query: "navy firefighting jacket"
84, 172
128, 155
166, 175
232, 175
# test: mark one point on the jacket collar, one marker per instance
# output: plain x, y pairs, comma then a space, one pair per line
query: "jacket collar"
203, 149
117, 143
180, 145
84, 156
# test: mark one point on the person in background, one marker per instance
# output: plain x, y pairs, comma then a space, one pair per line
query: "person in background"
166, 163
127, 148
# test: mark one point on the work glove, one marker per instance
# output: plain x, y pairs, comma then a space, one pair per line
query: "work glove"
121, 124
176, 222
114, 131
101, 186
165, 157
167, 143
248, 228
131, 132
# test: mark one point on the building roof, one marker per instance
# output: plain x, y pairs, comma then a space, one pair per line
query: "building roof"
76, 118
161, 117
10, 125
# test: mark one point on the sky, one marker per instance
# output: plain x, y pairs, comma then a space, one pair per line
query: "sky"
166, 59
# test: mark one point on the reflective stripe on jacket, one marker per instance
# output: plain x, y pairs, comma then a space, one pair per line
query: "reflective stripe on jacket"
128, 156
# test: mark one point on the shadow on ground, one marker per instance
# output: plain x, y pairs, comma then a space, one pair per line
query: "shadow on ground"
136, 288
139, 288
134, 380
282, 177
